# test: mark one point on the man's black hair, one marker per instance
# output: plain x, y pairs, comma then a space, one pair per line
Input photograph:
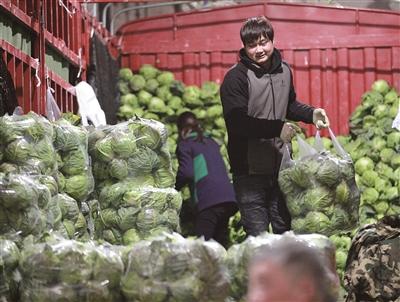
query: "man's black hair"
254, 28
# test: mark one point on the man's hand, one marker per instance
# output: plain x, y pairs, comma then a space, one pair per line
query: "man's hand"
320, 119
288, 132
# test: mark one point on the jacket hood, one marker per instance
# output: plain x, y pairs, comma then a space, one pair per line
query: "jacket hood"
259, 70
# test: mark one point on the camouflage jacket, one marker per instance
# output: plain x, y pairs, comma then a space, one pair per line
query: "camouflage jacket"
373, 265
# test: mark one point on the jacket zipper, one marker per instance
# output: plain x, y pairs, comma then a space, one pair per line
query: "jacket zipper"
273, 110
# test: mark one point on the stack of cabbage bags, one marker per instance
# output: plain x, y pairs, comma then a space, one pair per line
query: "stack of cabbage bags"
320, 189
173, 269
74, 171
156, 94
9, 257
134, 180
70, 271
239, 256
33, 191
26, 145
28, 163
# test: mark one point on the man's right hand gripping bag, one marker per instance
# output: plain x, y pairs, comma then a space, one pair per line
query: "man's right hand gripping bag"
319, 188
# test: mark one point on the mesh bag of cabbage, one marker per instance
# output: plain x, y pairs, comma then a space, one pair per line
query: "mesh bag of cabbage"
319, 187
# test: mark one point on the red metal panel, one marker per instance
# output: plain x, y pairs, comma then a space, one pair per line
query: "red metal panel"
335, 53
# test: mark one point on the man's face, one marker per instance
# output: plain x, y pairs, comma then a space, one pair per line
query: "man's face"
260, 51
268, 282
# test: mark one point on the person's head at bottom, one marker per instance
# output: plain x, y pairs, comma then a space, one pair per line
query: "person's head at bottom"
288, 271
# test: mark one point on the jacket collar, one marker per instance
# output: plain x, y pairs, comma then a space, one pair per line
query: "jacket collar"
259, 70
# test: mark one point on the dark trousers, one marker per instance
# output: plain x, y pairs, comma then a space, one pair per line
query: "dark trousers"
213, 222
261, 203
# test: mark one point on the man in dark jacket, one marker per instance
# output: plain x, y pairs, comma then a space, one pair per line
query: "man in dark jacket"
257, 96
202, 168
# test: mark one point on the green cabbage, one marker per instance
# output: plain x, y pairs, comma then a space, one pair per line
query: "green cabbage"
148, 71
75, 162
79, 186
136, 83
118, 168
144, 161
123, 144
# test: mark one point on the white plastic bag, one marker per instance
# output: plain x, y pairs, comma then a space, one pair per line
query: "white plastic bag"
396, 121
89, 107
53, 113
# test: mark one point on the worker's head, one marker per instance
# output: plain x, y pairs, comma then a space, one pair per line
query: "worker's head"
288, 272
188, 123
257, 35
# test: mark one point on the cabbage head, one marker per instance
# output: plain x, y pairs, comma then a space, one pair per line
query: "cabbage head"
147, 219
103, 150
145, 160
151, 86
68, 206
109, 217
44, 152
18, 151
386, 155
148, 71
328, 173
54, 214
123, 143
123, 87
29, 221
381, 207
340, 219
136, 83
175, 102
393, 140
208, 90
191, 96
50, 183
111, 195
342, 193
363, 164
214, 111
380, 86
130, 236
127, 218
164, 93
125, 74
130, 100
18, 192
316, 222
100, 170
69, 228
118, 168
79, 186
75, 162
156, 105
165, 178
146, 135
317, 198
368, 178
165, 78
107, 267
298, 225
69, 137
299, 175
144, 98
60, 181
369, 196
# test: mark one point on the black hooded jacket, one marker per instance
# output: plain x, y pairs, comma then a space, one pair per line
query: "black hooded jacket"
256, 103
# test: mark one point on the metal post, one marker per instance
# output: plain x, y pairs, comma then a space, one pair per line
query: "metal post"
42, 57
